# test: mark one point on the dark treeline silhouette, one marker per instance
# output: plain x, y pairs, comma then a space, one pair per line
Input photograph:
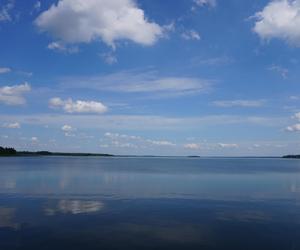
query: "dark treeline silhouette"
12, 152
292, 156
7, 151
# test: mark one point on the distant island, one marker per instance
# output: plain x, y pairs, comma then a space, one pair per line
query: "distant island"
12, 152
291, 157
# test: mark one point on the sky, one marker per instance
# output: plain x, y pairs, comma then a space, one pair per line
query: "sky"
151, 77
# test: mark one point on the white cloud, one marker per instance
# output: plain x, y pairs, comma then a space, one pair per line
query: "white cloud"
13, 95
191, 35
5, 70
211, 3
34, 139
14, 125
121, 140
141, 82
67, 128
121, 136
5, 15
84, 21
293, 128
78, 106
61, 47
161, 143
193, 146
144, 122
228, 145
239, 103
279, 19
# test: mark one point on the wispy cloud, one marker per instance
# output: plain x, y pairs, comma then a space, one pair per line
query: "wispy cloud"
61, 47
5, 9
5, 70
192, 146
123, 140
201, 3
14, 125
228, 145
109, 58
143, 122
213, 61
191, 35
37, 6
239, 103
141, 82
280, 70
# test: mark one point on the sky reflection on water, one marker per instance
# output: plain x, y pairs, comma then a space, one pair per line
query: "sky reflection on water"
149, 203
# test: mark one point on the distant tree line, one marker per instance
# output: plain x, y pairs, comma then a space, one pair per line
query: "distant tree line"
292, 156
7, 151
12, 152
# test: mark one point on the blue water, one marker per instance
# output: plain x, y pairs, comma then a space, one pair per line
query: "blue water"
149, 203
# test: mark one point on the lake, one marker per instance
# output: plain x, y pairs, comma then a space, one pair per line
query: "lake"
149, 203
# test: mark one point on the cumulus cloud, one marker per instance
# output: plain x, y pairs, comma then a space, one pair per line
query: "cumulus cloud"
78, 106
14, 95
239, 103
67, 129
191, 35
279, 19
5, 70
228, 145
14, 125
293, 128
193, 146
84, 21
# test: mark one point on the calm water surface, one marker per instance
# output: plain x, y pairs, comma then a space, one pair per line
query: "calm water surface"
149, 203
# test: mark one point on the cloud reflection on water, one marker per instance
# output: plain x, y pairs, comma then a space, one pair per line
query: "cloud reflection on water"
75, 207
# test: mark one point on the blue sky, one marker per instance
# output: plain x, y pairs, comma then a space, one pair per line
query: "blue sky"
164, 77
